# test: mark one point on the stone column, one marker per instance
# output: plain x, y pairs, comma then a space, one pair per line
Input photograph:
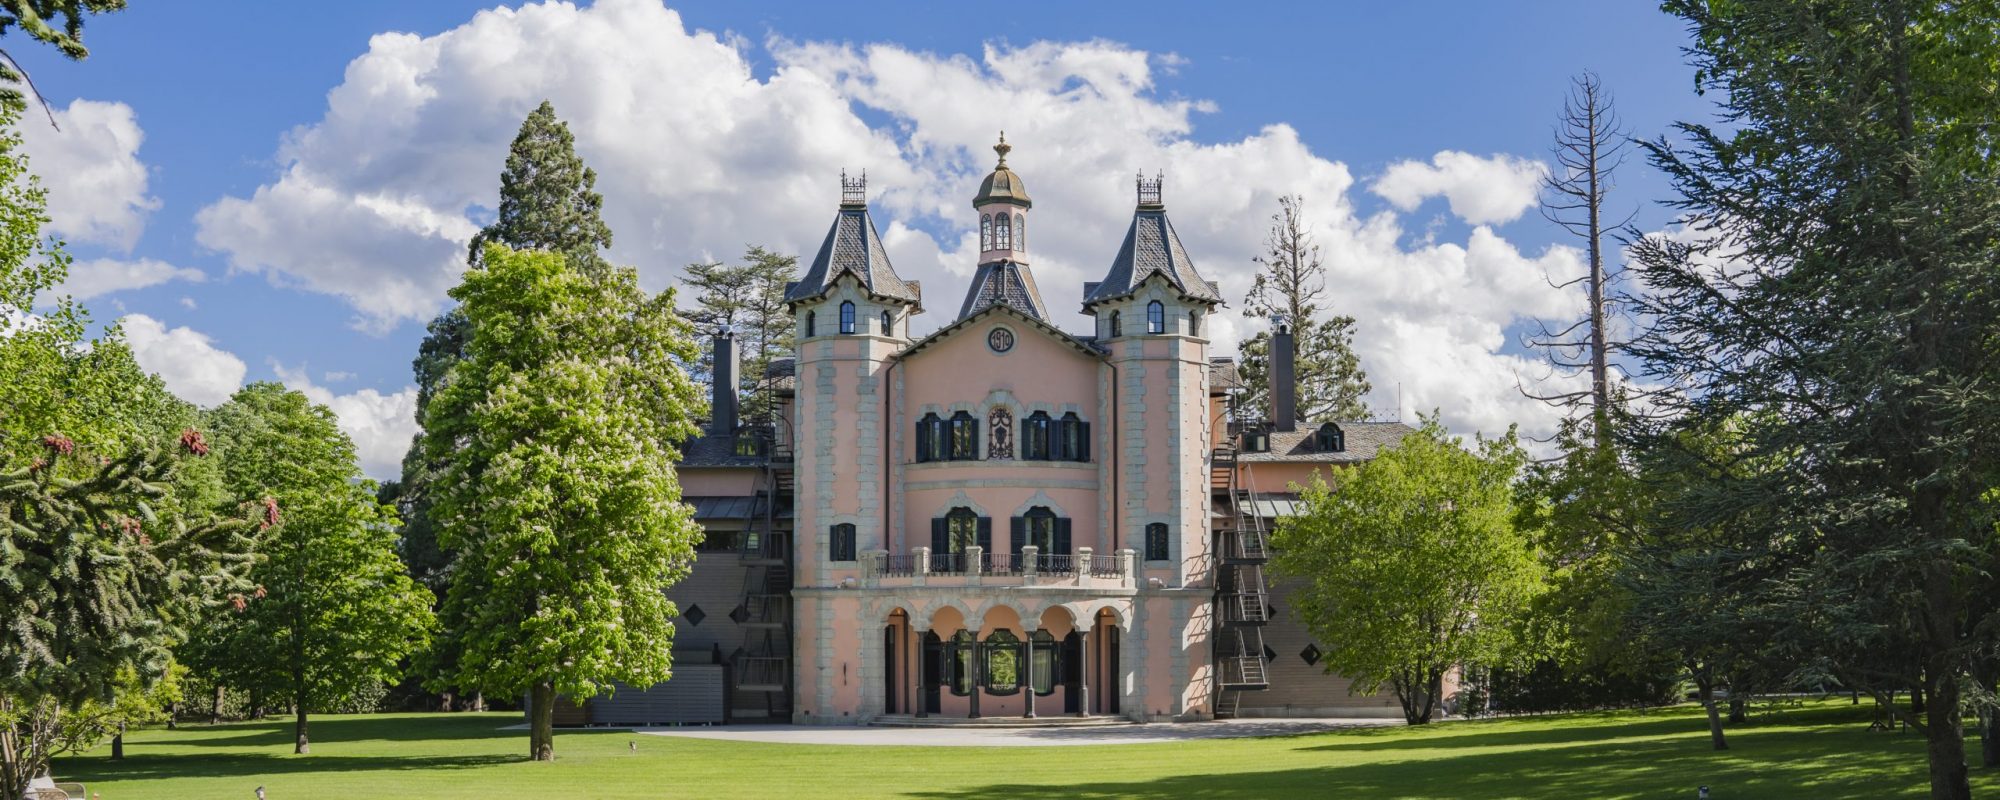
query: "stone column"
916, 671
1030, 558
974, 554
923, 567
1082, 564
1028, 628
1083, 647
975, 665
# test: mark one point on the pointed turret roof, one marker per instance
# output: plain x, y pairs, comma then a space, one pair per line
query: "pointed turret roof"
852, 247
1151, 248
1004, 283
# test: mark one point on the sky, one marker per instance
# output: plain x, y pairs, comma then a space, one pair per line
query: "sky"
283, 191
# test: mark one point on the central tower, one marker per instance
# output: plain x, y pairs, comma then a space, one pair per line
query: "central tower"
1003, 275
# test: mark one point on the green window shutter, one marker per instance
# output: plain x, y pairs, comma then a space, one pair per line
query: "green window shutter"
1017, 533
1062, 536
986, 534
940, 536
1083, 439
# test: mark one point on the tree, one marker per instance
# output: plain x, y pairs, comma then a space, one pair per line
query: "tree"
334, 612
99, 576
548, 201
556, 439
1410, 565
1589, 147
748, 298
1332, 386
53, 22
1837, 300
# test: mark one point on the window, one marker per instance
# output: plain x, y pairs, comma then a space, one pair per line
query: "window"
1042, 663
1073, 441
985, 231
1040, 527
1156, 318
1329, 439
846, 316
811, 318
959, 529
1003, 662
1156, 542
1256, 441
933, 439
1003, 233
716, 542
842, 543
958, 661
1117, 328
1020, 232
1194, 322
1035, 436
888, 323
964, 437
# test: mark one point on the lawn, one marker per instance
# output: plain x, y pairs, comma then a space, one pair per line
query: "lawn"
1818, 751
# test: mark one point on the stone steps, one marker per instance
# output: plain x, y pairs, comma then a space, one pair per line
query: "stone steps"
908, 721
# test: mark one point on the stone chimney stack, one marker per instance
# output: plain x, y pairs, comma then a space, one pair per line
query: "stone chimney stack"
1284, 375
722, 400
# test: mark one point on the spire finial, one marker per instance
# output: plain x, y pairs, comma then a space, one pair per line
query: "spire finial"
853, 192
1149, 190
1002, 148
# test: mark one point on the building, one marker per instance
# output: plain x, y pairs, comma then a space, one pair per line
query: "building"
1001, 518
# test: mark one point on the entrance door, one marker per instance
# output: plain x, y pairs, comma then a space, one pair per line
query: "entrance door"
1110, 640
1072, 673
932, 673
889, 670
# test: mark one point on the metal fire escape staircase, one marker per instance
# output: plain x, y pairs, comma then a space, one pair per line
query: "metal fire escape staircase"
763, 663
1242, 601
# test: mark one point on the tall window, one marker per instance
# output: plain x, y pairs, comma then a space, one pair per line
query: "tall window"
1020, 232
841, 548
888, 323
959, 655
1003, 662
1040, 527
933, 439
1156, 318
1194, 322
958, 529
1042, 662
985, 232
846, 316
1035, 436
1003, 233
1117, 327
964, 437
1073, 440
1156, 542
812, 319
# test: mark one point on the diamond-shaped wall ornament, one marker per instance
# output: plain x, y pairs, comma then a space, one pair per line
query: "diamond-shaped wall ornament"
739, 613
1269, 654
1311, 654
694, 615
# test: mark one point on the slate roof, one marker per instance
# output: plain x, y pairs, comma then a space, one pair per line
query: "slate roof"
1087, 345
730, 507
1151, 248
852, 247
1222, 375
781, 375
1364, 441
715, 451
1004, 282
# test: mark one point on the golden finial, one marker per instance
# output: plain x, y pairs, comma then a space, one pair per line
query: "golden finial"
1002, 148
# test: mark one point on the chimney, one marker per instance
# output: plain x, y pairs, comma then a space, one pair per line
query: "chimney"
722, 400
1284, 375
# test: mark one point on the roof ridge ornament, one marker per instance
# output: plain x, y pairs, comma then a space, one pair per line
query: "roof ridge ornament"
1149, 190
1003, 148
853, 191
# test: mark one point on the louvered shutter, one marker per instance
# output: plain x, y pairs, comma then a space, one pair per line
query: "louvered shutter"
1083, 437
923, 440
1017, 533
1062, 535
986, 534
940, 536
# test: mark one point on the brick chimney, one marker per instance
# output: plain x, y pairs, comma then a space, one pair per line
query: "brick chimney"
1284, 375
722, 399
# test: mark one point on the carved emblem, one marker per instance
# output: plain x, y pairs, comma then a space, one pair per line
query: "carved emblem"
1001, 423
1001, 340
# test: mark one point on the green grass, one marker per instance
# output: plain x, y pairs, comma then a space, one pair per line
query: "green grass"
1818, 751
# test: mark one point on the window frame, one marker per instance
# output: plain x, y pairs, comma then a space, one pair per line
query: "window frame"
812, 322
1073, 439
840, 542
964, 437
1002, 642
888, 323
954, 544
1160, 549
1003, 231
1117, 325
1041, 529
985, 232
1036, 437
846, 317
1156, 318
961, 658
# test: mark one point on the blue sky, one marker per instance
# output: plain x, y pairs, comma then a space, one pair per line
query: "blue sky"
318, 260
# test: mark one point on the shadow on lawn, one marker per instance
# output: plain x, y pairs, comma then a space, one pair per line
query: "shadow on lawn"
337, 728
152, 767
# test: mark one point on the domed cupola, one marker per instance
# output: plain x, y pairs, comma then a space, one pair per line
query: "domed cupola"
1003, 275
1002, 185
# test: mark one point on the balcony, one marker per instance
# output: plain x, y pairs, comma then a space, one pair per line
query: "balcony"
975, 567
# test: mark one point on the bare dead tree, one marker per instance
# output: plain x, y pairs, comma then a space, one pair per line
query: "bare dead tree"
1589, 148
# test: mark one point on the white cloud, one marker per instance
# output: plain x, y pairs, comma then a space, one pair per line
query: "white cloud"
187, 303
696, 157
381, 425
336, 376
102, 276
1481, 191
193, 367
96, 182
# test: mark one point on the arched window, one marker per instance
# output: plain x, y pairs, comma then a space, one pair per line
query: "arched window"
846, 316
1156, 318
1040, 527
1156, 542
1073, 443
812, 318
964, 437
933, 439
1035, 436
1020, 233
1329, 439
841, 543
1003, 233
985, 232
1003, 662
888, 323
958, 659
1042, 662
1117, 326
1194, 322
955, 532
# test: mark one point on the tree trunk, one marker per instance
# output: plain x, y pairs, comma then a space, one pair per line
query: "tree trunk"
215, 710
1989, 739
1944, 731
304, 744
1707, 688
173, 716
541, 723
445, 701
1917, 699
479, 701
118, 743
1738, 709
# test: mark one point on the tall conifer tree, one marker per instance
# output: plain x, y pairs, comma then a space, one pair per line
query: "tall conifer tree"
1332, 386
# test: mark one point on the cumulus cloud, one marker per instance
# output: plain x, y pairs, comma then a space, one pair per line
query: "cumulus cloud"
1481, 191
91, 166
697, 156
381, 425
192, 366
102, 276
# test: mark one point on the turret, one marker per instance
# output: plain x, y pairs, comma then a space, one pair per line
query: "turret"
1003, 275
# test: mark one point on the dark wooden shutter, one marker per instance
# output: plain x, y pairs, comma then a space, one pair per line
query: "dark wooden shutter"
986, 534
940, 536
1062, 536
924, 439
1083, 441
973, 453
1017, 533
